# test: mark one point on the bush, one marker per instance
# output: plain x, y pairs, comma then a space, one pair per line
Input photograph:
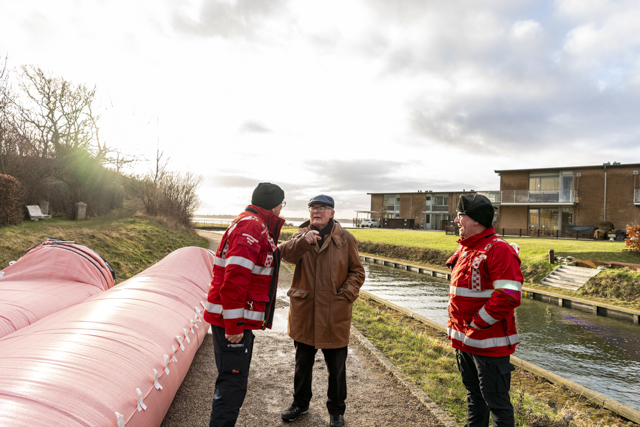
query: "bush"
632, 242
410, 253
11, 201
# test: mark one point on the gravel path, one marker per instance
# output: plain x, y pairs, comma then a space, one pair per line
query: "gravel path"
375, 398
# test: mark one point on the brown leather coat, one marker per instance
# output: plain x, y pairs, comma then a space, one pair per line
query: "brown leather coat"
326, 281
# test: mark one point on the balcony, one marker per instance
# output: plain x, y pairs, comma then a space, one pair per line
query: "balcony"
436, 209
526, 197
493, 196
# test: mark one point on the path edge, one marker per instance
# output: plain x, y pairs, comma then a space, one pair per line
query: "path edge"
415, 391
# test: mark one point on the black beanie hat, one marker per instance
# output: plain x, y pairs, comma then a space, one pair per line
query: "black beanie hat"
267, 195
477, 207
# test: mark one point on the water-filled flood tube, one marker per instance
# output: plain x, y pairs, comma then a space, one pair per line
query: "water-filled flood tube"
49, 277
115, 359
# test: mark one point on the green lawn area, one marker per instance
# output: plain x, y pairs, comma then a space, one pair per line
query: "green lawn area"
129, 243
532, 249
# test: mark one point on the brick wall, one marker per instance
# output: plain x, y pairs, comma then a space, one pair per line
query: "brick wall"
512, 217
376, 202
405, 206
620, 185
590, 186
514, 181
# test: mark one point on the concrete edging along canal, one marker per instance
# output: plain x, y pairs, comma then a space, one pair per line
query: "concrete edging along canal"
593, 396
598, 308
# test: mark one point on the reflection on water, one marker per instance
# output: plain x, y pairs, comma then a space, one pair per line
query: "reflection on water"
600, 353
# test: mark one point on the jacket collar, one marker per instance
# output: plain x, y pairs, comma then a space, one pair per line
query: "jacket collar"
336, 231
273, 222
480, 238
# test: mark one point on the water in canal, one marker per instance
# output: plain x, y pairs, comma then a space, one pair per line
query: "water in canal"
600, 353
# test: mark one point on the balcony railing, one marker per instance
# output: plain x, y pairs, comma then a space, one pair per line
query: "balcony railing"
493, 196
526, 196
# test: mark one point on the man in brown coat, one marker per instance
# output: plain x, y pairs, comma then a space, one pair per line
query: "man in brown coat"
326, 281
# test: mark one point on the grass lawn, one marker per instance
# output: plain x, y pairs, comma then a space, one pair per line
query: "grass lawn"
532, 249
129, 243
426, 357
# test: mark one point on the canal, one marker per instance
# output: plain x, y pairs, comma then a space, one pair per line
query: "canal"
600, 353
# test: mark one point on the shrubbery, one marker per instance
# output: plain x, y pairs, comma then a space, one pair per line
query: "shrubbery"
632, 242
49, 142
170, 194
11, 201
409, 253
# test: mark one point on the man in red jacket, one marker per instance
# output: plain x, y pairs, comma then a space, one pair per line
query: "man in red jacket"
242, 296
486, 283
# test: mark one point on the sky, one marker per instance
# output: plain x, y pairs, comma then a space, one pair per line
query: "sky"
345, 97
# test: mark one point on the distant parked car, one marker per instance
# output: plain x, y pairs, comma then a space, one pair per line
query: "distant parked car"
371, 223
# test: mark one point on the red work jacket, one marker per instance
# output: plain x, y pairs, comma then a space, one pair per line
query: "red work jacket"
486, 285
245, 273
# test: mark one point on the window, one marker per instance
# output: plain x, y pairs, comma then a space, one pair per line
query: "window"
566, 186
551, 187
391, 204
544, 184
550, 221
442, 200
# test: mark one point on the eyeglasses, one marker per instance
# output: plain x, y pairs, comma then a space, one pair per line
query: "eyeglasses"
460, 215
320, 209
284, 203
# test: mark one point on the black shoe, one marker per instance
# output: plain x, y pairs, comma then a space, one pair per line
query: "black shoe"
336, 421
293, 412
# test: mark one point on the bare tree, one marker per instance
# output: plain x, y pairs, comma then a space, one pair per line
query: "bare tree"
170, 194
54, 114
179, 198
151, 185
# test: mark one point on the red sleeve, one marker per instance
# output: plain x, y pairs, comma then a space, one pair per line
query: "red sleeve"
242, 255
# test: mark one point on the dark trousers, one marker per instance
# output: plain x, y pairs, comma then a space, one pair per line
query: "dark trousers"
335, 360
487, 380
232, 362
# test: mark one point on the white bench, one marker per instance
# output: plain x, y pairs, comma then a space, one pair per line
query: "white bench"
35, 213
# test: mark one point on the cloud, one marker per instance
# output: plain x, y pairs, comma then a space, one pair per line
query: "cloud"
220, 18
254, 127
232, 181
362, 175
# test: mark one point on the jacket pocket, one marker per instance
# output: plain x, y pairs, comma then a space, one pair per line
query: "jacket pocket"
297, 293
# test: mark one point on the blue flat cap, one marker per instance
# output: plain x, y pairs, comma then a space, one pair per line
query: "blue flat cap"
323, 199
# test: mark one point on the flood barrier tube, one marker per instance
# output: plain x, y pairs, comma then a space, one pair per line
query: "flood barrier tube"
49, 277
593, 396
115, 359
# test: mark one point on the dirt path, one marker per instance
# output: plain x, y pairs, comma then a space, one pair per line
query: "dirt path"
375, 398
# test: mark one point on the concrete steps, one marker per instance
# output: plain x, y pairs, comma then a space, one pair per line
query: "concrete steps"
569, 277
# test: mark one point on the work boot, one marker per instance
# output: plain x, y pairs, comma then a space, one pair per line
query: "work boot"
336, 420
293, 412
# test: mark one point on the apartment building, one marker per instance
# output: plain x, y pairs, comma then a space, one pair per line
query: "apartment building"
424, 210
554, 201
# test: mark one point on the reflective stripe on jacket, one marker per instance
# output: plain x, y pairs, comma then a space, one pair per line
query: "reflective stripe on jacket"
486, 285
245, 273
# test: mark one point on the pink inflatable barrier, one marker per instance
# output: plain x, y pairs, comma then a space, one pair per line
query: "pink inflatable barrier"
51, 276
116, 359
